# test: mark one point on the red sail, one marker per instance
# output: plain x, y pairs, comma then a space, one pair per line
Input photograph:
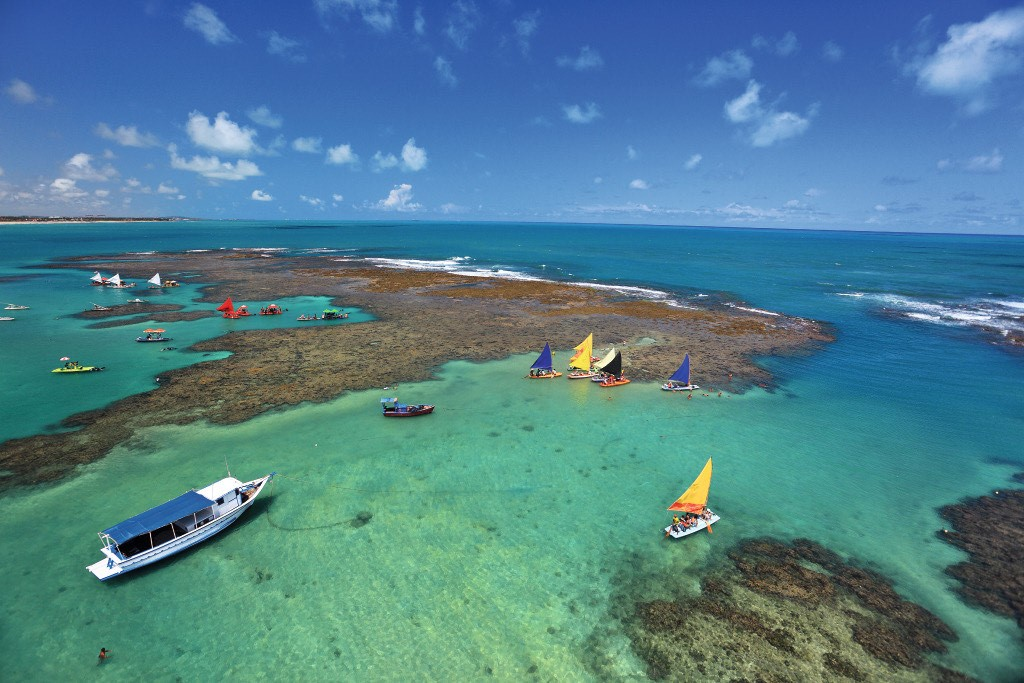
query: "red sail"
227, 306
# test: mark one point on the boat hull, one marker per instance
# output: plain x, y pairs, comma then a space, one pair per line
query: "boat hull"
112, 566
413, 411
144, 340
69, 371
679, 387
581, 375
701, 525
550, 375
615, 382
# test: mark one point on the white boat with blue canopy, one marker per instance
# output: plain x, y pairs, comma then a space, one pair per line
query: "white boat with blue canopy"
180, 523
680, 379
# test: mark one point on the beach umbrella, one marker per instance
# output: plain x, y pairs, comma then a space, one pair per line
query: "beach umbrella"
64, 358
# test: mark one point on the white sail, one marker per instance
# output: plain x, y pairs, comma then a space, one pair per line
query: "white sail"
114, 280
97, 277
155, 280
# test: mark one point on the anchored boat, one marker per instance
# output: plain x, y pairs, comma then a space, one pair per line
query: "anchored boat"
580, 365
390, 407
178, 524
694, 506
680, 379
153, 335
613, 372
544, 367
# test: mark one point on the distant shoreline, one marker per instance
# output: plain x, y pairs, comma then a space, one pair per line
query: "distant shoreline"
29, 220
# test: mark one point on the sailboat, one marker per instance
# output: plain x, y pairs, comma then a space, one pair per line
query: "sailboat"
680, 379
97, 280
227, 308
115, 281
600, 365
613, 372
155, 281
579, 364
694, 506
544, 367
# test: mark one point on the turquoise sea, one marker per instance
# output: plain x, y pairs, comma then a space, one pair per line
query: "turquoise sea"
500, 523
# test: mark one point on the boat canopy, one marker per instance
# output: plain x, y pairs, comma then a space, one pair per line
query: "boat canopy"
162, 515
599, 365
695, 499
683, 373
544, 361
585, 349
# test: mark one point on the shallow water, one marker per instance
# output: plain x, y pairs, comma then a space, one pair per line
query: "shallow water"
501, 523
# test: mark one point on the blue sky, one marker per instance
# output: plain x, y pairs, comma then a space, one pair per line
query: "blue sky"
868, 116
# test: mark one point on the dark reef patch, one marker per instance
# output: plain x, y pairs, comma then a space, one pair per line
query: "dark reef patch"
773, 611
990, 529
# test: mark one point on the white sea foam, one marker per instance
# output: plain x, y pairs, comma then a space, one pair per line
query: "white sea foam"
991, 314
748, 309
642, 292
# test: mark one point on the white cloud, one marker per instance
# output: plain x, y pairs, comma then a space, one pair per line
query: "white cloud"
813, 192
102, 194
450, 208
399, 199
419, 23
260, 196
21, 92
778, 126
413, 158
213, 168
1, 170
747, 106
315, 202
832, 51
631, 152
974, 56
734, 65
380, 15
127, 136
783, 47
575, 113
524, 27
982, 163
693, 161
167, 189
341, 155
263, 116
205, 21
307, 145
463, 19
223, 135
383, 162
285, 48
79, 167
65, 188
766, 126
588, 59
985, 163
638, 184
444, 72
337, 197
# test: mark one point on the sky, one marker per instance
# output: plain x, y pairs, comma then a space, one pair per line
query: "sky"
877, 115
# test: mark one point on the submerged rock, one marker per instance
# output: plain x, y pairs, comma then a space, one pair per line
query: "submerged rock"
787, 612
990, 529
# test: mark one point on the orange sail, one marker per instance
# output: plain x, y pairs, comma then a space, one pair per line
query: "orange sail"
695, 499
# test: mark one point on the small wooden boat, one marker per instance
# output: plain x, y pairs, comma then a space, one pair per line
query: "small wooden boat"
178, 524
680, 379
581, 365
390, 407
543, 367
694, 506
5, 318
15, 307
115, 282
229, 310
305, 318
97, 280
136, 301
272, 309
97, 307
153, 335
613, 372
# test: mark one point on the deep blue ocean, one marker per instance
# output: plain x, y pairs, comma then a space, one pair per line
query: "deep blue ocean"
917, 404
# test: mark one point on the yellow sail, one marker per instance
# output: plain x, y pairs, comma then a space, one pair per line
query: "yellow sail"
585, 349
696, 497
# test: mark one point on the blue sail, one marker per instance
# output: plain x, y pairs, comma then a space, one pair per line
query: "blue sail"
683, 373
544, 361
